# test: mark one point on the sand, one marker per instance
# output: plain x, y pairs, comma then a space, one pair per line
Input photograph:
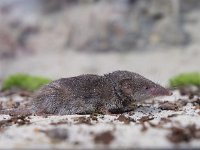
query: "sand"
82, 135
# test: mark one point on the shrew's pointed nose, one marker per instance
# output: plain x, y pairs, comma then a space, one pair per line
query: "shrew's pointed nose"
160, 91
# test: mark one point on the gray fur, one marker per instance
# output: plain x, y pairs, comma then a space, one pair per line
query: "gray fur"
115, 92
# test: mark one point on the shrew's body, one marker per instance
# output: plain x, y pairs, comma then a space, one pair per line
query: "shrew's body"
116, 92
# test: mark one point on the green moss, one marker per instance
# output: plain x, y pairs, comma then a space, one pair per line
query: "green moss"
24, 81
184, 79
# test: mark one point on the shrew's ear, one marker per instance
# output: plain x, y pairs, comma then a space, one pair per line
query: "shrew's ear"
125, 86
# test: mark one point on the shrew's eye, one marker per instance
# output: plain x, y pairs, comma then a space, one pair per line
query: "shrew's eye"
146, 87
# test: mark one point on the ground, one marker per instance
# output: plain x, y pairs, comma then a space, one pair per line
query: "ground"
167, 122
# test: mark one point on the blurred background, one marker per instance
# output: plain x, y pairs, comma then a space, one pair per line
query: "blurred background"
63, 38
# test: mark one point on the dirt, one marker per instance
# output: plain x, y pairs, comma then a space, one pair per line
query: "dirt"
196, 102
19, 120
24, 99
184, 134
181, 102
172, 115
168, 106
83, 120
145, 119
147, 113
155, 125
191, 91
160, 124
124, 119
104, 138
94, 117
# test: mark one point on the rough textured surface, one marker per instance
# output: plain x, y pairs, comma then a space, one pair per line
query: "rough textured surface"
169, 128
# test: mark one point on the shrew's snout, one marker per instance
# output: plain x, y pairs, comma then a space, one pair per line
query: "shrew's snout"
160, 91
